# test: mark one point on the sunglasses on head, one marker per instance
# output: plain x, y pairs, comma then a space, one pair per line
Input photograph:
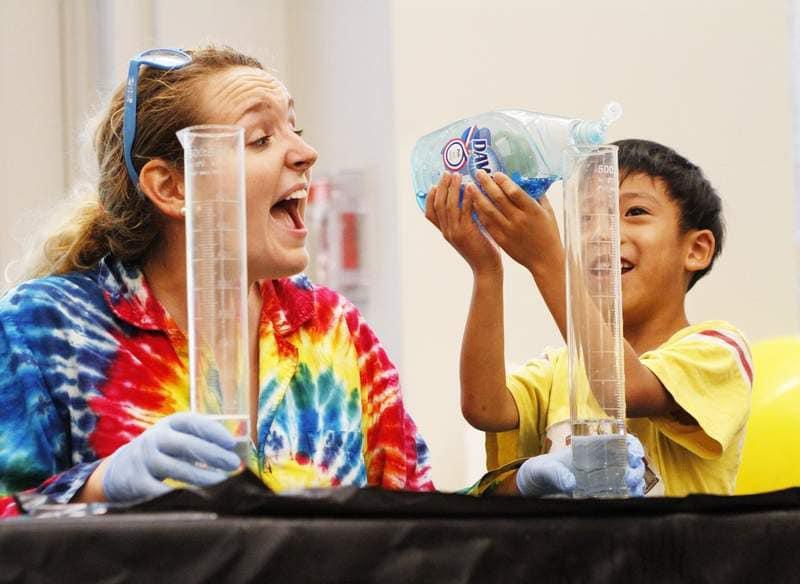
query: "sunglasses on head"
163, 59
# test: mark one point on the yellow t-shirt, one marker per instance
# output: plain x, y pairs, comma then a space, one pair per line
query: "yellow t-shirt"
706, 368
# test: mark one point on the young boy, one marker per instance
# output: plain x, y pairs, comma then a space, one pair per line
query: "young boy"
687, 387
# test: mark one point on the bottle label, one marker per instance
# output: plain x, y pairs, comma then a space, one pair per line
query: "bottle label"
473, 150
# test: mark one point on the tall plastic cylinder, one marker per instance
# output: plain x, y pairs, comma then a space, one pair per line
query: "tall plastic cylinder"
594, 320
216, 267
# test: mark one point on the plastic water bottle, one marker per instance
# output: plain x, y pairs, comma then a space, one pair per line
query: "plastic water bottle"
527, 146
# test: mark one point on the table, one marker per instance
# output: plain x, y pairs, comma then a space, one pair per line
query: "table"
238, 532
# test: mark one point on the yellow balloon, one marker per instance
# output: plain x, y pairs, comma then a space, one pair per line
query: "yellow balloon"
771, 453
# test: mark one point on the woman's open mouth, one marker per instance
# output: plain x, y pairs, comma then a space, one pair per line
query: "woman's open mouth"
286, 212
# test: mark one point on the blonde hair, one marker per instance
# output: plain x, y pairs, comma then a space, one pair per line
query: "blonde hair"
118, 219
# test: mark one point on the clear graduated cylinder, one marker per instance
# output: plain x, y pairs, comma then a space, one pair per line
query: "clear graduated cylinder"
594, 320
216, 267
527, 146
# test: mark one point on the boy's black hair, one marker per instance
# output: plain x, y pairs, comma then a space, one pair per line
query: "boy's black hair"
700, 205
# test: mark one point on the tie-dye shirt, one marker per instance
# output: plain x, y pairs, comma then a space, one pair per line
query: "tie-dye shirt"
89, 360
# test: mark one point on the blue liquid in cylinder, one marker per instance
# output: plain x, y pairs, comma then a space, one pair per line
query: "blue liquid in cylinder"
600, 463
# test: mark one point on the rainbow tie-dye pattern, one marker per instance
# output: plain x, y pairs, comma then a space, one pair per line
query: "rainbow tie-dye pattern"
90, 360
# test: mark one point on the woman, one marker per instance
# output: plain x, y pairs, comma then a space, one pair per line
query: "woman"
94, 350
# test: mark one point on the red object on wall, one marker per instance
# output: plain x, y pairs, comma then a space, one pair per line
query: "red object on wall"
350, 255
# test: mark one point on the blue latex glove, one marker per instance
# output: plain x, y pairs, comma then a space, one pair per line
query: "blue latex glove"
547, 474
169, 450
634, 474
551, 474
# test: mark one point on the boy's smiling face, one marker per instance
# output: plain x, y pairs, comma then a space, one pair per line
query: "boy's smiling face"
654, 252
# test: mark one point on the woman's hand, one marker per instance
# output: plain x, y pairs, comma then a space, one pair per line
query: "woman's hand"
170, 449
454, 219
526, 229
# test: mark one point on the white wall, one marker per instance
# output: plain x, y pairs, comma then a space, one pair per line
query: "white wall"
710, 79
32, 160
255, 27
340, 76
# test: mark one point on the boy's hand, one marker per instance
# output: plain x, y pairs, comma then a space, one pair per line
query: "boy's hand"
525, 228
554, 473
454, 219
547, 474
